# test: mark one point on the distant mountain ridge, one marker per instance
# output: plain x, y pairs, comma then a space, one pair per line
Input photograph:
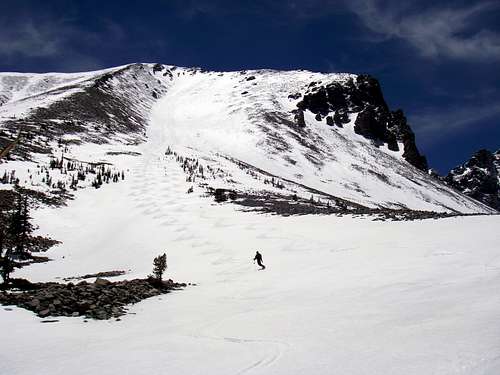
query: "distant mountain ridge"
479, 177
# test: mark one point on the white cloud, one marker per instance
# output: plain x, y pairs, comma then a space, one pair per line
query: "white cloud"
435, 32
433, 124
58, 41
30, 38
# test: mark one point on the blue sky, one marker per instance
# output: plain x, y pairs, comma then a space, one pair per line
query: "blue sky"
437, 60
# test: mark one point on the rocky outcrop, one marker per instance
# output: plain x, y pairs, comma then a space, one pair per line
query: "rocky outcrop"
299, 118
374, 120
479, 178
102, 299
294, 206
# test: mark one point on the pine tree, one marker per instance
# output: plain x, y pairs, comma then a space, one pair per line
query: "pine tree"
159, 266
15, 234
20, 227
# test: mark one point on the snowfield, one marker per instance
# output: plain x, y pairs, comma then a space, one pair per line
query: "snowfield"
340, 295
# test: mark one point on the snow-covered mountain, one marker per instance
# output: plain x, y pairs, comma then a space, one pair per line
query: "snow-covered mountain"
284, 133
340, 293
479, 177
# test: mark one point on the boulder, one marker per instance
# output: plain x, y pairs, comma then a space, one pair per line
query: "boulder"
44, 313
101, 281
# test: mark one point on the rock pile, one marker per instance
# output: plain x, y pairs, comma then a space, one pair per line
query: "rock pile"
102, 299
293, 206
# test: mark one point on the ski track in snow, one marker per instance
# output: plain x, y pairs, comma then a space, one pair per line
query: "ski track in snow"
158, 177
273, 349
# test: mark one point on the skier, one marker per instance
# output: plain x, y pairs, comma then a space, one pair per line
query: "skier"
258, 258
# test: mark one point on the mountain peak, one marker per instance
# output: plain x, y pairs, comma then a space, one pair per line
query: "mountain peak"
332, 134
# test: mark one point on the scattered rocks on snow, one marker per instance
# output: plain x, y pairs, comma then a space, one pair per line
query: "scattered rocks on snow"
294, 206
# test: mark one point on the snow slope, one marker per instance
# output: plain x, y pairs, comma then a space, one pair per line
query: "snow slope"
21, 92
252, 121
339, 295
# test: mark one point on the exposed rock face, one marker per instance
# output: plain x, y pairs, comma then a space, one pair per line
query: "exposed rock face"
374, 120
479, 178
299, 118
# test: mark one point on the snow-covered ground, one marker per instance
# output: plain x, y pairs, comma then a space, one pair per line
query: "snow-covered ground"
339, 295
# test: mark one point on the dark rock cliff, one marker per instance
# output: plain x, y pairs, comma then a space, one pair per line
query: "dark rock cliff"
335, 101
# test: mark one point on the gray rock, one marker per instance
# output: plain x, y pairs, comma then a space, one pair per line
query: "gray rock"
101, 281
35, 302
44, 313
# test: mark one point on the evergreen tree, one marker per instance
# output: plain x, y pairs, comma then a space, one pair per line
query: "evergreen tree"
159, 266
15, 234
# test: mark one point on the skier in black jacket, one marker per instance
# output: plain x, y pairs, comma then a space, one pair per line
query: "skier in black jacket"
258, 258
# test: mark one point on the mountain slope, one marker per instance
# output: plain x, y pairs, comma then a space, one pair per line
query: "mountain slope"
96, 107
255, 126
